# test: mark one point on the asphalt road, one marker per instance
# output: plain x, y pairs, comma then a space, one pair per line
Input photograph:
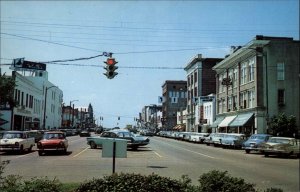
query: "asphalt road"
166, 157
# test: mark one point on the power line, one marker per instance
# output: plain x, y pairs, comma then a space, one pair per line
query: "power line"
45, 41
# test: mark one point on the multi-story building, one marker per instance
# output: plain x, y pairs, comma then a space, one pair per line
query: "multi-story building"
174, 95
38, 103
255, 82
201, 81
208, 106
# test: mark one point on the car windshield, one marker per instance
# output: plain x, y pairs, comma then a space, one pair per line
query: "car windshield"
259, 137
53, 136
12, 135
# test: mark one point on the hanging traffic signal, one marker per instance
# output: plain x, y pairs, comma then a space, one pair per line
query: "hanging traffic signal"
110, 68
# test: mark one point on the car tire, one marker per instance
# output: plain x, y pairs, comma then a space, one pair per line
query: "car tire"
247, 151
93, 145
40, 153
30, 149
21, 149
266, 154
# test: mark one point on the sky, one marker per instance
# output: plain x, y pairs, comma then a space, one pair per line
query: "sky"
151, 40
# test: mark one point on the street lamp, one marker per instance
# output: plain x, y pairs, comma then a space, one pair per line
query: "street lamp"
72, 112
45, 106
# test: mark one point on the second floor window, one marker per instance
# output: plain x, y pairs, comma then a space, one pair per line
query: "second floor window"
280, 71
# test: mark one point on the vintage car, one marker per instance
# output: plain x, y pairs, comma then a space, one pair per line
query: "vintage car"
53, 141
233, 140
284, 146
16, 141
85, 133
37, 134
133, 141
197, 137
254, 141
214, 139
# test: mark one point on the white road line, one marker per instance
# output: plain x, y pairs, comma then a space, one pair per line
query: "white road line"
81, 152
157, 154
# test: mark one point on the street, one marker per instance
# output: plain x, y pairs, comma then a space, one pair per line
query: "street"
165, 157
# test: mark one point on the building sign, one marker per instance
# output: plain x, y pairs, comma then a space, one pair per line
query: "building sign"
20, 63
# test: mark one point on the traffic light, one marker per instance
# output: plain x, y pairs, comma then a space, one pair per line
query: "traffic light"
110, 68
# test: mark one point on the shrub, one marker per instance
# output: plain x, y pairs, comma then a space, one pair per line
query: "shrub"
218, 181
132, 183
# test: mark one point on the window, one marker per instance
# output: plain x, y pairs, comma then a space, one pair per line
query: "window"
229, 104
251, 99
251, 69
280, 71
195, 77
234, 82
243, 100
281, 97
243, 72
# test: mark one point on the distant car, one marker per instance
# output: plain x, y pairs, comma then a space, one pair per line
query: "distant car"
133, 141
53, 141
214, 139
233, 140
84, 133
197, 137
37, 134
285, 146
254, 141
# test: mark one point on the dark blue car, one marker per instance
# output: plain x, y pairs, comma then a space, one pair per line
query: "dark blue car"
254, 142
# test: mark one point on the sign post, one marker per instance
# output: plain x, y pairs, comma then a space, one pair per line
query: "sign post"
115, 148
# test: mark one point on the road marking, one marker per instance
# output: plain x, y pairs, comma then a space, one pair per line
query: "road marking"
192, 151
81, 152
157, 154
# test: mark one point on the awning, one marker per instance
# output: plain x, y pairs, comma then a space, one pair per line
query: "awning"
216, 122
227, 121
241, 120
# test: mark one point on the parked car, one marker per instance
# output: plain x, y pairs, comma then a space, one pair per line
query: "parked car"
16, 141
37, 134
214, 139
53, 141
285, 146
84, 133
133, 141
254, 141
197, 137
233, 140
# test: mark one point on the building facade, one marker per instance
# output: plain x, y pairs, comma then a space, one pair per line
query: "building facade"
201, 81
174, 94
38, 103
255, 82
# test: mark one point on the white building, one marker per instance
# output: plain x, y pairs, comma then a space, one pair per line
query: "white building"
32, 112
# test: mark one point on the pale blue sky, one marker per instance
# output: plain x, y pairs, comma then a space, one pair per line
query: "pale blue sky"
141, 34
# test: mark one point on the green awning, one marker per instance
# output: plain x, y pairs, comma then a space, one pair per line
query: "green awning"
217, 122
241, 120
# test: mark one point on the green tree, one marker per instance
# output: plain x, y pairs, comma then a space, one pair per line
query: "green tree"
283, 125
7, 87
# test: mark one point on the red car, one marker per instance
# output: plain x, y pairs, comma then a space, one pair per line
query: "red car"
53, 141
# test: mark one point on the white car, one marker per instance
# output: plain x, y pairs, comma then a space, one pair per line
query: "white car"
197, 137
16, 141
285, 146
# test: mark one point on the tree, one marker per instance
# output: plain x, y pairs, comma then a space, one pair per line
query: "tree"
283, 125
7, 87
